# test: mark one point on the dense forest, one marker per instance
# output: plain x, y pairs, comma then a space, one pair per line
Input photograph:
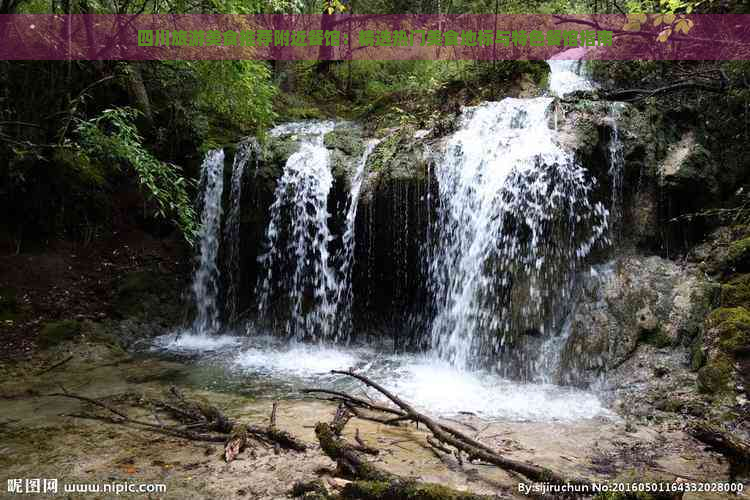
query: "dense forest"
376, 279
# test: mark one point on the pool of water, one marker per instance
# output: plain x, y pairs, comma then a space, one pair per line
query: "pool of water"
267, 367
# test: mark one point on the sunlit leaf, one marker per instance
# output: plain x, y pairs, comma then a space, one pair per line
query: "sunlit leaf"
664, 35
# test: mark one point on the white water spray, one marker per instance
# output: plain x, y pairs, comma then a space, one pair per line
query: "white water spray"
300, 271
207, 276
514, 220
245, 152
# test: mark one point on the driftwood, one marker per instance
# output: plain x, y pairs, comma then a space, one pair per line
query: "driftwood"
369, 482
449, 436
198, 421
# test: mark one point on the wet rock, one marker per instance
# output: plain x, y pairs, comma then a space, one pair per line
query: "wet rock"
633, 301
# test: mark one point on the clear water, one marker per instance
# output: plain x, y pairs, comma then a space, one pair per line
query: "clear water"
268, 367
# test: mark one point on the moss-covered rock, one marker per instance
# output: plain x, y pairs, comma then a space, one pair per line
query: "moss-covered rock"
697, 354
738, 255
346, 139
403, 490
717, 376
398, 157
736, 292
732, 327
56, 332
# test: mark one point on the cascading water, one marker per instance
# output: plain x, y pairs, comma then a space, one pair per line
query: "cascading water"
344, 293
511, 221
616, 166
301, 268
245, 152
566, 74
514, 220
206, 279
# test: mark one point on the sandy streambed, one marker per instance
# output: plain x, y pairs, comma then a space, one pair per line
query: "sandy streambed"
38, 440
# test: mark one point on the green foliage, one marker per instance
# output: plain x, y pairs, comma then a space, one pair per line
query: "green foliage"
113, 137
240, 92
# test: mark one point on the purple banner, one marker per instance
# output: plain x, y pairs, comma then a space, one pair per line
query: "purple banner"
375, 37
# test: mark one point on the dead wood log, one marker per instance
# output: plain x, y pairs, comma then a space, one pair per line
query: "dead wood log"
734, 448
200, 421
373, 483
236, 442
473, 448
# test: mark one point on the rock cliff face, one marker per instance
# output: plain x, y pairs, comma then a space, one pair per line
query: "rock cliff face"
629, 303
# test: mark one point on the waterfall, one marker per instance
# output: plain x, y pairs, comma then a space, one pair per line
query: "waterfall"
566, 75
616, 168
245, 151
344, 293
296, 262
207, 276
514, 220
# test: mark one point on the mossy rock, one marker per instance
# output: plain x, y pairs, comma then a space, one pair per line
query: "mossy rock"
733, 327
398, 157
697, 354
736, 292
56, 332
347, 139
738, 256
717, 376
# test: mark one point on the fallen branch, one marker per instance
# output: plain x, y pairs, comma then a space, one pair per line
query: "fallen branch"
723, 442
371, 482
463, 443
200, 421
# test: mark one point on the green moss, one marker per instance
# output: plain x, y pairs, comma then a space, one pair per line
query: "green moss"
348, 140
738, 255
733, 326
736, 292
398, 157
716, 376
670, 405
404, 490
697, 356
56, 332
